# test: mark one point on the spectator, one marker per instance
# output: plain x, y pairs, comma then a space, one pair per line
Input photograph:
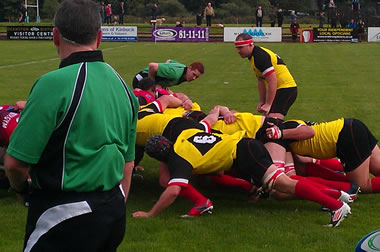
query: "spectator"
333, 18
272, 17
102, 12
108, 13
352, 24
154, 11
199, 19
361, 29
77, 156
321, 19
331, 12
259, 16
208, 13
178, 24
121, 12
294, 30
355, 6
280, 17
22, 13
293, 16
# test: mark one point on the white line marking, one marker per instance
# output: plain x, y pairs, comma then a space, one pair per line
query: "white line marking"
46, 60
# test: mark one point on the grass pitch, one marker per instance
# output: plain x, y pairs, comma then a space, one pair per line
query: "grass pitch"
334, 80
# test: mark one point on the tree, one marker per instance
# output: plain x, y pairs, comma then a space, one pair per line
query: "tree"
8, 10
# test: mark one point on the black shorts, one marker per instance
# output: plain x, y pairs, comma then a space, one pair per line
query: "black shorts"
284, 99
73, 221
355, 144
252, 160
138, 77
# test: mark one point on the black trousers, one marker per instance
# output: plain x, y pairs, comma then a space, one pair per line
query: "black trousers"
72, 221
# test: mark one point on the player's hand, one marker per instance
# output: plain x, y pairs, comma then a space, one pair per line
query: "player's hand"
274, 132
265, 108
187, 104
258, 107
140, 214
229, 118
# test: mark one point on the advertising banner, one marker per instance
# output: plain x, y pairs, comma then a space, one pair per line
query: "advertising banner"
306, 35
373, 34
119, 33
180, 34
30, 32
332, 34
259, 34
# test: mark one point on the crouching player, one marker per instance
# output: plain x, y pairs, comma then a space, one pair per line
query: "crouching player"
197, 152
348, 139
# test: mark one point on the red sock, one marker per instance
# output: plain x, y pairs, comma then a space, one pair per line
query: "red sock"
227, 180
375, 182
325, 189
316, 170
309, 192
339, 185
192, 194
331, 163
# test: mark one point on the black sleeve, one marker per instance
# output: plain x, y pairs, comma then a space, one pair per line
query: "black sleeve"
262, 59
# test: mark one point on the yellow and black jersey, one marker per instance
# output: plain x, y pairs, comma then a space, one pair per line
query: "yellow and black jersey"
199, 152
151, 121
248, 122
323, 144
264, 62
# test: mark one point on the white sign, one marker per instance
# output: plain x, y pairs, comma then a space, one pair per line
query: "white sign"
373, 34
119, 33
259, 34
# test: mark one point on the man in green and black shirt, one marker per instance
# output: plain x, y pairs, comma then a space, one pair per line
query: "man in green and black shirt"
76, 135
170, 73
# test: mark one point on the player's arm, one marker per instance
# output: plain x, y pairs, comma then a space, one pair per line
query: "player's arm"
300, 133
186, 102
169, 101
290, 130
228, 115
20, 105
270, 93
212, 117
127, 175
17, 173
166, 199
262, 93
152, 70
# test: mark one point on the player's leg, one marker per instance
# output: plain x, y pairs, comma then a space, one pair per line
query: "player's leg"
374, 164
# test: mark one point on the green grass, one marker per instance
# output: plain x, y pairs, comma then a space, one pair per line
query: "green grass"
334, 80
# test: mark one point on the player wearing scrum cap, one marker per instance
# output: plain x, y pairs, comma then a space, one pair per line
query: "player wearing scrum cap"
276, 86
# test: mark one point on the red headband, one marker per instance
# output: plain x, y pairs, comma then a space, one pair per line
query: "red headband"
242, 43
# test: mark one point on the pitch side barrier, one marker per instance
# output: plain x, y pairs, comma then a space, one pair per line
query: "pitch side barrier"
259, 34
200, 34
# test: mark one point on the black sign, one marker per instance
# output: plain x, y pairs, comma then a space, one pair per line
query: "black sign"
332, 34
30, 32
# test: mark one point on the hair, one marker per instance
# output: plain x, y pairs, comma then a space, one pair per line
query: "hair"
146, 83
197, 66
158, 147
243, 36
78, 21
